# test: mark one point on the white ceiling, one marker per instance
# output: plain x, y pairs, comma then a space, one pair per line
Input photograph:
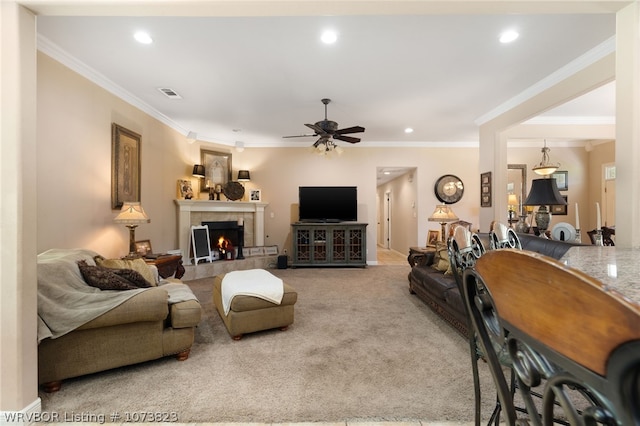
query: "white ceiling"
256, 79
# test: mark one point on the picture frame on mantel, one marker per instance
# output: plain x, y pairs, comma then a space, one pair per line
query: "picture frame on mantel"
217, 169
255, 195
125, 166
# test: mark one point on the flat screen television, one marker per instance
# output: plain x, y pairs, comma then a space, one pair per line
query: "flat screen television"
328, 203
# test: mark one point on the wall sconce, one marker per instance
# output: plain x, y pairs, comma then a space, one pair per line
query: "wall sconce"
244, 176
131, 215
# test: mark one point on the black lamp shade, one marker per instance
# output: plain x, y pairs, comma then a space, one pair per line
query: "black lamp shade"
544, 192
243, 175
198, 170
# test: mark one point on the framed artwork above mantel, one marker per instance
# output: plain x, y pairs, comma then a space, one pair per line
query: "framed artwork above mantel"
217, 169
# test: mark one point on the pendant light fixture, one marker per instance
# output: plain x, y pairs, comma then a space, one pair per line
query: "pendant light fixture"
545, 167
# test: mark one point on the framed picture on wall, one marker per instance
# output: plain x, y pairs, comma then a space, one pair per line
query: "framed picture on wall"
125, 166
217, 169
485, 189
562, 180
560, 210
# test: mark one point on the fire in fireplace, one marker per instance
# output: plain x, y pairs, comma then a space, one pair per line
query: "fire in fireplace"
225, 248
224, 236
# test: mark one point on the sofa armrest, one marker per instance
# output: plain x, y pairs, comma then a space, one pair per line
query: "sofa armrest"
185, 314
149, 305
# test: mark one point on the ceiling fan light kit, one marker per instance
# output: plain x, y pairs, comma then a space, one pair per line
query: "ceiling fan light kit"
328, 130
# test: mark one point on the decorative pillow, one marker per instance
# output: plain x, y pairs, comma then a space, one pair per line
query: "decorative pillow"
103, 278
441, 258
134, 277
138, 265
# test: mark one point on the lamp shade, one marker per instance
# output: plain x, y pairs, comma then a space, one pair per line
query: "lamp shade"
544, 192
132, 213
198, 170
512, 200
443, 214
244, 175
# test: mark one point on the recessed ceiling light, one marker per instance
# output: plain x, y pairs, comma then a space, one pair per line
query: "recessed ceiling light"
508, 36
143, 37
408, 130
387, 173
329, 37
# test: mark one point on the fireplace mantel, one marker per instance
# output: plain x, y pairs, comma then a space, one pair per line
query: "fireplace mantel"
185, 208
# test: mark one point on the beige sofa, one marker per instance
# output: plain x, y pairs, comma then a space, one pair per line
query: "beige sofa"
83, 329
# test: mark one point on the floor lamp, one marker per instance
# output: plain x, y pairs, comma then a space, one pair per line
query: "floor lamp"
443, 214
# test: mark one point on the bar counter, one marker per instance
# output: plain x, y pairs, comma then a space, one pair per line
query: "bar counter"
618, 269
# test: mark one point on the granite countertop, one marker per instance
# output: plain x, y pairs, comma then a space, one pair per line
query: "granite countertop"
616, 268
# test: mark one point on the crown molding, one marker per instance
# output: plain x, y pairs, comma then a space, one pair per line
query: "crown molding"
592, 56
51, 49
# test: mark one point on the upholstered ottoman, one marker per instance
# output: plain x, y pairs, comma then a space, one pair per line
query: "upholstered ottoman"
249, 313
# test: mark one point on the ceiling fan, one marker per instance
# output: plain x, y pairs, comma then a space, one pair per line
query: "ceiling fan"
328, 130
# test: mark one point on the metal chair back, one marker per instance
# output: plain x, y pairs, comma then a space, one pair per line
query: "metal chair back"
501, 236
567, 336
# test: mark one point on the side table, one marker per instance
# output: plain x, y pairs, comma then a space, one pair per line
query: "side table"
168, 265
420, 255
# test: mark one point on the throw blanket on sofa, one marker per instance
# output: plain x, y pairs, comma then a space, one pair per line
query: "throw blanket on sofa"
66, 301
252, 282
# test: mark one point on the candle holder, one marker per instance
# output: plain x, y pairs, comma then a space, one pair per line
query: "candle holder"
240, 241
597, 239
578, 238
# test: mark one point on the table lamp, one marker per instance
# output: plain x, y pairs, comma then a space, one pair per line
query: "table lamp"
544, 192
132, 215
443, 214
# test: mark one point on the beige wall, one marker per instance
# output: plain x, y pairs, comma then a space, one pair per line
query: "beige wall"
74, 165
74, 175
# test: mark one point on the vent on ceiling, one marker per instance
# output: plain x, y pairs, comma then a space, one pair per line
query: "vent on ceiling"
170, 93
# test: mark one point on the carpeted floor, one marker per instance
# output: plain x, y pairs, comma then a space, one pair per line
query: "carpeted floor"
361, 349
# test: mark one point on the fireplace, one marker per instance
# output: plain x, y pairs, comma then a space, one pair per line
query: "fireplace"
225, 236
194, 212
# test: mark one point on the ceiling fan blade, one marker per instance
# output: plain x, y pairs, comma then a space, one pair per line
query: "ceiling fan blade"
346, 138
354, 129
300, 136
316, 129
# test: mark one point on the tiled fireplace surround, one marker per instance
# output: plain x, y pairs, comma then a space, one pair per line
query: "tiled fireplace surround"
194, 212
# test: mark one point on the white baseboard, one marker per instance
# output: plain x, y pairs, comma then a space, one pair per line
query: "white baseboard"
30, 415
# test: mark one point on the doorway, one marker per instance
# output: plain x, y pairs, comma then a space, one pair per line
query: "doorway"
609, 194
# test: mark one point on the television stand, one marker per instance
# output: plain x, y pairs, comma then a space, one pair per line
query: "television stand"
329, 244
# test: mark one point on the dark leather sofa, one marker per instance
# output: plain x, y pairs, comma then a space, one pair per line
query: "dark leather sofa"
439, 290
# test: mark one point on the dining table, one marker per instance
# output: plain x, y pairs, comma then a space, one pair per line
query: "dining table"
618, 269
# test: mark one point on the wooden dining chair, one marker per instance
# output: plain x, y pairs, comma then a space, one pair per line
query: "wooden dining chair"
607, 236
567, 335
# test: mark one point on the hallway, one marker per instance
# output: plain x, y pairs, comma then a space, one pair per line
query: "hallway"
391, 257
